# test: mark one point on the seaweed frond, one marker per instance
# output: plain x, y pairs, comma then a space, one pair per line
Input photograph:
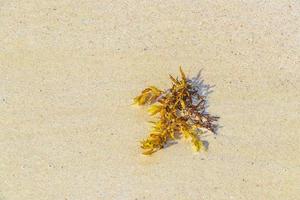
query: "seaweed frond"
148, 95
180, 111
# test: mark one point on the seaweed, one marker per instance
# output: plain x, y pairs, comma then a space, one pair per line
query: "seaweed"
180, 111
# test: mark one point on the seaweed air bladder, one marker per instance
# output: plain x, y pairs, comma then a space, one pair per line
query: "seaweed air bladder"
178, 112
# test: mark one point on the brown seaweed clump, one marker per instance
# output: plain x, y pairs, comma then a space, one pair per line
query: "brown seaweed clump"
180, 111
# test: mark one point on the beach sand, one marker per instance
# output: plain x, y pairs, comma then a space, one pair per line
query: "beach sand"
69, 71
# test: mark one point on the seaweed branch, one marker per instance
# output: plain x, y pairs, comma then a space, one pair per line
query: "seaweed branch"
180, 111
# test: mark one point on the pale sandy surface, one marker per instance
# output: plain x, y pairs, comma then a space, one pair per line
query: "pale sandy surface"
68, 72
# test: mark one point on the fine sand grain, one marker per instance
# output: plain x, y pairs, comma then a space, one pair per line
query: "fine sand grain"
69, 71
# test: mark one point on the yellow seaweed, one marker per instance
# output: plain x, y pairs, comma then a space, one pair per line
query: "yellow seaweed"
175, 113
